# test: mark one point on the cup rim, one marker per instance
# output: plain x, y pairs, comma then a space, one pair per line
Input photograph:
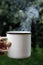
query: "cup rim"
19, 32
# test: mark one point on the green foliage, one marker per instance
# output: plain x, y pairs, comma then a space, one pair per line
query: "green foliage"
5, 10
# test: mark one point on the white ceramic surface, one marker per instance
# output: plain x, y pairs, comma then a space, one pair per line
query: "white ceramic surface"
21, 44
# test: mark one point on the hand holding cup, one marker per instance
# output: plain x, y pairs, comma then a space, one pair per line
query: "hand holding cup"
4, 44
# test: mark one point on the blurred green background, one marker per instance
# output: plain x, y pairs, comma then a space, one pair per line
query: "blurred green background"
12, 13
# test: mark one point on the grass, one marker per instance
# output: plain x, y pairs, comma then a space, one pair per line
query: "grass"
35, 59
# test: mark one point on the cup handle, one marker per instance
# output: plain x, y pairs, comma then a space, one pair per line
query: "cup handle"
8, 44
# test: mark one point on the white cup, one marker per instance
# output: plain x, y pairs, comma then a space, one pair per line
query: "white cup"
21, 44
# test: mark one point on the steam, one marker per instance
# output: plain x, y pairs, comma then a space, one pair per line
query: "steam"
31, 13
